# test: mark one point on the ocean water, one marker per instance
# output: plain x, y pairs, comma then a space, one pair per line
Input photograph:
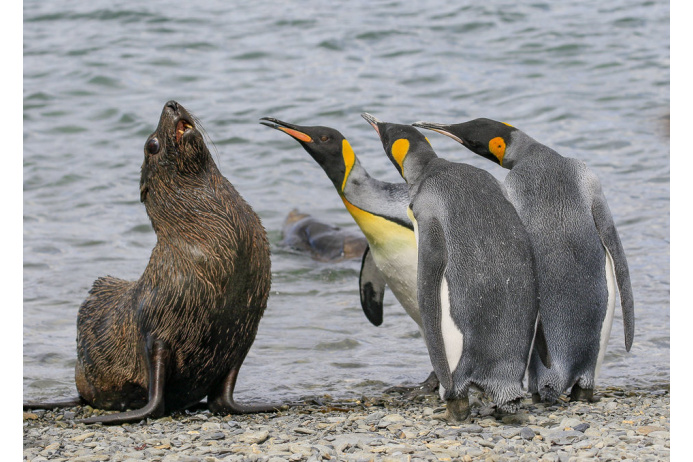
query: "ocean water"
590, 79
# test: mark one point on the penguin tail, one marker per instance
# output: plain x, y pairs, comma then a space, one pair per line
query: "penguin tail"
510, 407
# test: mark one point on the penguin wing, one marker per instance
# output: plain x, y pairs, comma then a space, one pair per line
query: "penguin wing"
433, 260
372, 289
612, 242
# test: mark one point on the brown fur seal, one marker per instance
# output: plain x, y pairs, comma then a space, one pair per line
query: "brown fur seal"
325, 242
180, 332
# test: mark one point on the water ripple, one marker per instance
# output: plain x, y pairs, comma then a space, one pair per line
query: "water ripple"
589, 79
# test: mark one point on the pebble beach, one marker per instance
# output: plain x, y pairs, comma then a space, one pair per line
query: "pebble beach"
625, 425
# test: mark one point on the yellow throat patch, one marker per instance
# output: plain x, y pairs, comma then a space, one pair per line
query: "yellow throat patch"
380, 232
349, 159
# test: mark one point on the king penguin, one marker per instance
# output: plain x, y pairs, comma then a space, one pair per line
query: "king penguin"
476, 287
580, 259
380, 210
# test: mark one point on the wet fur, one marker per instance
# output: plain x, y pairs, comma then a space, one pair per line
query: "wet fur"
202, 293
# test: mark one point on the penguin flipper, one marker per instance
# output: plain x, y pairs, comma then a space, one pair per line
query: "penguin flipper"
541, 346
612, 242
371, 288
433, 260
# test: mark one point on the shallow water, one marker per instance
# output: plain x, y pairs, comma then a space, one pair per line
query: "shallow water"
589, 79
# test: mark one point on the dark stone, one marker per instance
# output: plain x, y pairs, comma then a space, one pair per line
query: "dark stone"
582, 427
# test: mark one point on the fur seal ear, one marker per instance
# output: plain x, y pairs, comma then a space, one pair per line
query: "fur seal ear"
143, 193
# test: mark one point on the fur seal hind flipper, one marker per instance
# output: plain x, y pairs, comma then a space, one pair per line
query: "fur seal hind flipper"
159, 358
427, 387
372, 289
69, 402
220, 399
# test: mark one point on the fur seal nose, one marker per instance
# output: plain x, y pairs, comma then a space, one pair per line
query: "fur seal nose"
173, 105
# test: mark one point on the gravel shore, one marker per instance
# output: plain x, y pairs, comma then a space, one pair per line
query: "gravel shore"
624, 425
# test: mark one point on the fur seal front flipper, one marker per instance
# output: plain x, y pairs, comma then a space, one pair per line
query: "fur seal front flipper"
221, 400
372, 289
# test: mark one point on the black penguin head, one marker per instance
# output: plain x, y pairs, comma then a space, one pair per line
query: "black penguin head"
399, 141
485, 137
326, 145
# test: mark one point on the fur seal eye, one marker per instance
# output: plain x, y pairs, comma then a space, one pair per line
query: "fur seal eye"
153, 146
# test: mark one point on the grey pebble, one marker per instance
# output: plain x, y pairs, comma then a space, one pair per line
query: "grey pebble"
254, 437
565, 437
527, 433
392, 429
510, 432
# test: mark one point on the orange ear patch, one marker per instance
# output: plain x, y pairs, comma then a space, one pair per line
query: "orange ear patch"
497, 148
399, 150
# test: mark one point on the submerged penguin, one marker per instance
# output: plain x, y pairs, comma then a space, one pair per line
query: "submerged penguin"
579, 255
476, 288
380, 210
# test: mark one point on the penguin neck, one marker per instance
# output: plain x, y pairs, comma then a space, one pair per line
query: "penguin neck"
522, 147
415, 164
354, 178
359, 189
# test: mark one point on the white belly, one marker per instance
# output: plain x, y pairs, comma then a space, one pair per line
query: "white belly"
610, 306
398, 266
452, 335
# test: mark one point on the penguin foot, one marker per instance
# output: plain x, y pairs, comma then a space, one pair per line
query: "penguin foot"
549, 394
457, 411
577, 393
536, 398
427, 387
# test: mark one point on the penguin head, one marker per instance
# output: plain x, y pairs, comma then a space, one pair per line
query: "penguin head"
405, 146
486, 137
326, 145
